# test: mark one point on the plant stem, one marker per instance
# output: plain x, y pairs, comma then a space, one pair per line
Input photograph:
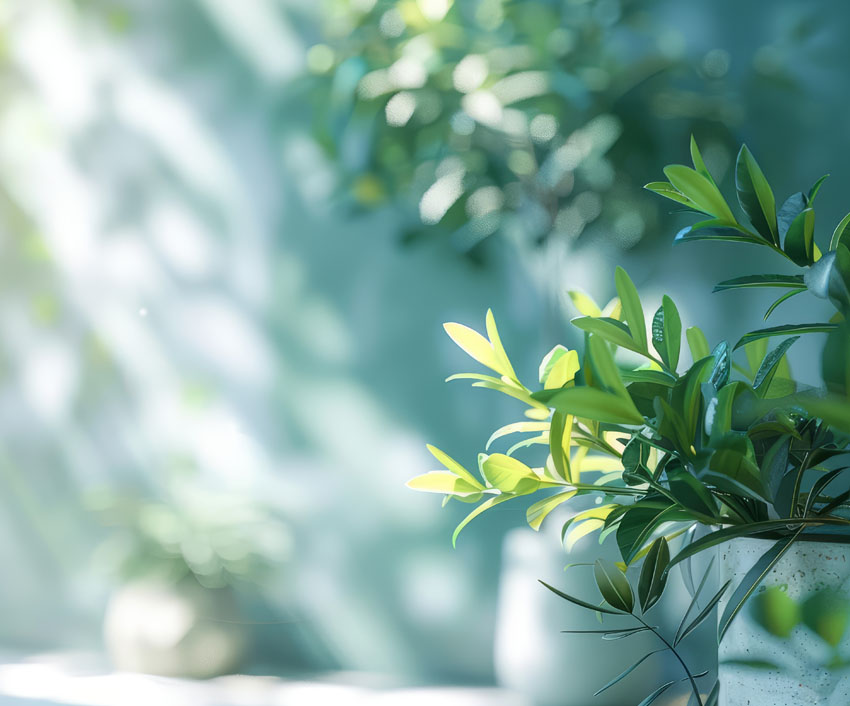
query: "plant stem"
677, 655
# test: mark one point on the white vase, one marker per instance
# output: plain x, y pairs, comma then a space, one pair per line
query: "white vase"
806, 567
533, 657
174, 629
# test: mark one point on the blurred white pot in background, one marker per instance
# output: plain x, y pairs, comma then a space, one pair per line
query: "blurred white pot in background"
174, 629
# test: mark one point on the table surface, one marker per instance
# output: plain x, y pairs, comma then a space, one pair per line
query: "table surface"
61, 679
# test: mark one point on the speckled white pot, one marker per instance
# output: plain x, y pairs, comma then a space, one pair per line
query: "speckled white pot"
806, 567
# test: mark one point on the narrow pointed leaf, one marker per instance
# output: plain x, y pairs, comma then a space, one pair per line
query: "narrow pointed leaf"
769, 365
792, 207
622, 675
755, 195
653, 574
751, 581
538, 512
632, 308
694, 602
705, 612
750, 281
590, 403
699, 190
784, 297
799, 241
451, 464
581, 603
841, 234
611, 330
697, 342
475, 346
613, 585
483, 507
699, 164
785, 330
668, 191
655, 694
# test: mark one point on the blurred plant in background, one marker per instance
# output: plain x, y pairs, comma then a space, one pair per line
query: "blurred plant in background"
215, 537
527, 118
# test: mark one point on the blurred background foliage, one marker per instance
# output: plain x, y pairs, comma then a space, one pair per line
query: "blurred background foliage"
231, 231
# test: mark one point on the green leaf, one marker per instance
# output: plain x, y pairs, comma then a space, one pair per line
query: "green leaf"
813, 192
751, 581
774, 466
694, 601
655, 694
699, 164
510, 475
653, 574
662, 188
755, 195
827, 614
691, 494
622, 675
697, 342
561, 426
733, 459
784, 330
687, 393
653, 377
516, 428
613, 585
590, 403
784, 297
749, 529
558, 367
705, 612
700, 190
486, 505
722, 368
611, 330
604, 368
715, 229
671, 426
791, 281
444, 482
792, 207
800, 239
770, 364
581, 603
632, 308
775, 611
539, 510
667, 333
841, 234
496, 343
585, 305
475, 346
452, 465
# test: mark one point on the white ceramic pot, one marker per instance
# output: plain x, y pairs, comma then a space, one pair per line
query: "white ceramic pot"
180, 630
533, 657
806, 567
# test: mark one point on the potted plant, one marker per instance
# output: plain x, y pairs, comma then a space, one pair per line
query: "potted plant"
178, 558
730, 443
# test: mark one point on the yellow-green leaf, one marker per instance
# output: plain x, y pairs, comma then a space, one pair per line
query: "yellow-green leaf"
443, 482
538, 512
585, 305
632, 308
701, 191
510, 475
496, 343
476, 346
453, 465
